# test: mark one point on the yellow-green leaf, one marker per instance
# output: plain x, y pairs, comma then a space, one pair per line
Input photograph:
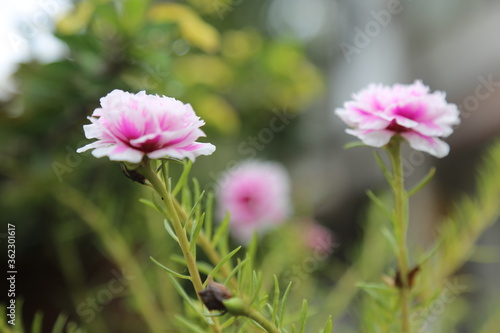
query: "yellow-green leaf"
193, 29
76, 21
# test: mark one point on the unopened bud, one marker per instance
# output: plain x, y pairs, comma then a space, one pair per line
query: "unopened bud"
133, 174
398, 281
214, 296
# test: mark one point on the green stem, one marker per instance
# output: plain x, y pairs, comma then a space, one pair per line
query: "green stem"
400, 230
237, 307
167, 199
207, 247
176, 214
157, 184
261, 320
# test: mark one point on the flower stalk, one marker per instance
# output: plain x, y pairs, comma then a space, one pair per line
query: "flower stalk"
166, 197
237, 307
400, 221
205, 244
148, 172
176, 213
261, 320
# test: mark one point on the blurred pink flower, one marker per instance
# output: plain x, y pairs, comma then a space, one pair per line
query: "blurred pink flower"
257, 196
319, 239
130, 126
379, 112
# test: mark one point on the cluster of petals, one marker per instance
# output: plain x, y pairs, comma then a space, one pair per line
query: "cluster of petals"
256, 194
130, 126
379, 112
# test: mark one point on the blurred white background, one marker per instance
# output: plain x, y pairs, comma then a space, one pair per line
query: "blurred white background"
26, 28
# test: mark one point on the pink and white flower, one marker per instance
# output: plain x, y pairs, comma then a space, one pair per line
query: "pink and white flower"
129, 127
379, 112
257, 196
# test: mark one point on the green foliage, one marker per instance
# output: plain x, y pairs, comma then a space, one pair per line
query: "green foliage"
423, 182
232, 75
455, 244
459, 232
258, 308
60, 325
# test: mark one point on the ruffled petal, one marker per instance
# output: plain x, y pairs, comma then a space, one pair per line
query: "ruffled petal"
372, 138
125, 154
92, 131
431, 145
93, 145
190, 152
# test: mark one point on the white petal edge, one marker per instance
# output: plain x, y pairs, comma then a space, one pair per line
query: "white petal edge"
373, 138
433, 146
127, 155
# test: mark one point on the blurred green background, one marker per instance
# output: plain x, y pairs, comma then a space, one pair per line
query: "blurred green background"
211, 54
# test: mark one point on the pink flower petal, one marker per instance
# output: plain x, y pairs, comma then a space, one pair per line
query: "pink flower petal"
372, 138
431, 145
123, 153
191, 151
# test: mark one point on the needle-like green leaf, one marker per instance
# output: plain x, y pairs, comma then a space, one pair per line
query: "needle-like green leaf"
36, 326
208, 219
276, 300
183, 178
423, 182
149, 204
383, 167
186, 197
238, 267
354, 144
170, 230
160, 206
228, 323
390, 238
195, 232
188, 324
256, 285
379, 203
164, 167
283, 304
60, 322
375, 286
221, 230
428, 255
223, 261
174, 273
303, 317
329, 326
197, 194
186, 298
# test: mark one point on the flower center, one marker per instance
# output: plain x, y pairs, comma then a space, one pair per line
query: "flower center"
395, 127
247, 200
149, 146
146, 146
